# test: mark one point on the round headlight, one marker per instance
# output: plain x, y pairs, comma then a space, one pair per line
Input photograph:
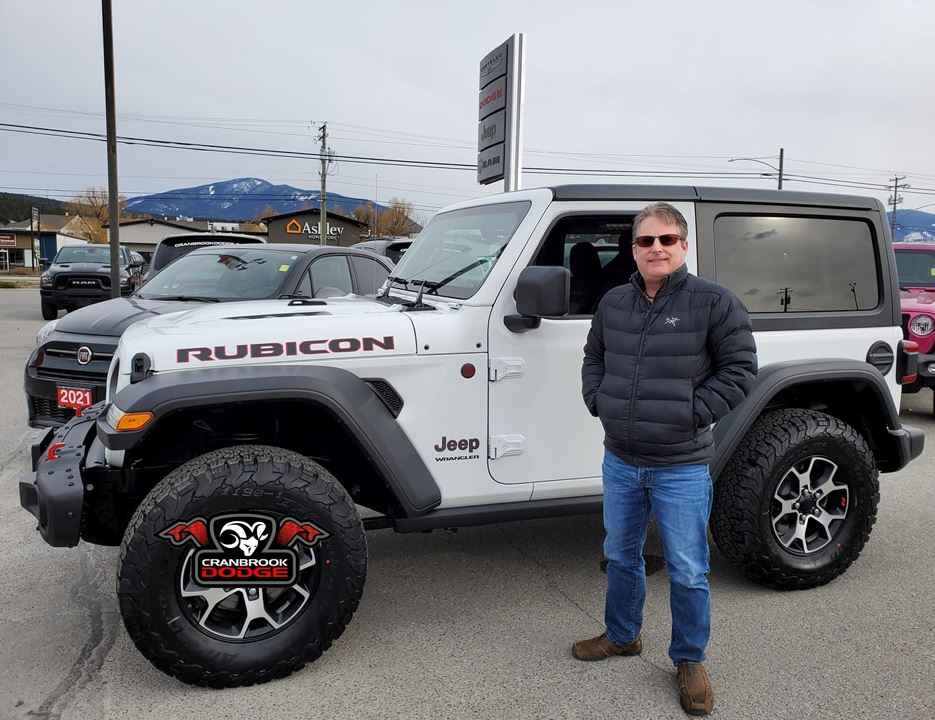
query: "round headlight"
922, 324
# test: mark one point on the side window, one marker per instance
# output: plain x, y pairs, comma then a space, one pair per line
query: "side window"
596, 251
370, 274
305, 286
781, 264
331, 271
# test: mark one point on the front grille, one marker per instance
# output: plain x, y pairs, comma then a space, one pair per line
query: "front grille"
905, 325
47, 410
388, 395
73, 354
85, 376
81, 282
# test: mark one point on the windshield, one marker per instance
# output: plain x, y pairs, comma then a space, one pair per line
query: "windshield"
170, 249
230, 274
458, 249
916, 267
86, 253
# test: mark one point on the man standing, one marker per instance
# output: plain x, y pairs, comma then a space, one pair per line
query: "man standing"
667, 356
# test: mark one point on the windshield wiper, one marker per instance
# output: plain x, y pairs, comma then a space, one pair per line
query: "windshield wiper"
184, 298
394, 279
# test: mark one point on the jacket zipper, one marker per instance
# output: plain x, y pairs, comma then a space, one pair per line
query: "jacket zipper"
639, 356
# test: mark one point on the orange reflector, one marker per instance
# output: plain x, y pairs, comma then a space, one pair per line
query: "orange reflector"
133, 421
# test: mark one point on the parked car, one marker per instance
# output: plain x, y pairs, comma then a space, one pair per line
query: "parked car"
393, 248
80, 275
915, 265
172, 247
66, 371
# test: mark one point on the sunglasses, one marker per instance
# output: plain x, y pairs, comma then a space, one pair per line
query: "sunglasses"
647, 241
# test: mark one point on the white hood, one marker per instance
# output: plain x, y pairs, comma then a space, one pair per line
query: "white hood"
269, 331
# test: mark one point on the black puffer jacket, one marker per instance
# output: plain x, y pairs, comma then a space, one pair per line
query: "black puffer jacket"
659, 374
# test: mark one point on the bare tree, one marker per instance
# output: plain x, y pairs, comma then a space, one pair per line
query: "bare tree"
93, 205
398, 219
265, 213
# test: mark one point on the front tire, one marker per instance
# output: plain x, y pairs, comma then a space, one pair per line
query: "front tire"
797, 501
231, 636
49, 310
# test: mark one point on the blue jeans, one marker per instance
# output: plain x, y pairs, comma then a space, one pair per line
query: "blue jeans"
679, 496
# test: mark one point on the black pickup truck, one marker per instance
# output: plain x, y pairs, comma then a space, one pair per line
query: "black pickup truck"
80, 275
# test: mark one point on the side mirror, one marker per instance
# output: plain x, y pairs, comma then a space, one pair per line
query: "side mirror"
44, 263
540, 292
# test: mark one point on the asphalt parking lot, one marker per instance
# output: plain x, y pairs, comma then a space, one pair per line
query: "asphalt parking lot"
478, 623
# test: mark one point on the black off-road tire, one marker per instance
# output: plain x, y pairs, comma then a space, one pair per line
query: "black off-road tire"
244, 478
742, 514
49, 310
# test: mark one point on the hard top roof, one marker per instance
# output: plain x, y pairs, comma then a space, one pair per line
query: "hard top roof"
298, 248
710, 194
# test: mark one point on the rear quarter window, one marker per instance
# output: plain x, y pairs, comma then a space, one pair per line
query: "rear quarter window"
780, 264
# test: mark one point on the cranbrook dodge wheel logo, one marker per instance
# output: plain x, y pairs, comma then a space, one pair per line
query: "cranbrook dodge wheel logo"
244, 548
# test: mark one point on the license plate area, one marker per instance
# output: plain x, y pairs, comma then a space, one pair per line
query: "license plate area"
73, 397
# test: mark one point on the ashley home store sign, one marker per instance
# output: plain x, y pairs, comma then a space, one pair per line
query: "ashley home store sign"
294, 227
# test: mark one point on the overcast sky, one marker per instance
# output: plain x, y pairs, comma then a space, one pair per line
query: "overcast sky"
844, 86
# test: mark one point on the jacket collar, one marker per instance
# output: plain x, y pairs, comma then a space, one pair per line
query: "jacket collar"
672, 281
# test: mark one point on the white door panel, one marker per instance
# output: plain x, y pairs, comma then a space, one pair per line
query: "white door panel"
562, 442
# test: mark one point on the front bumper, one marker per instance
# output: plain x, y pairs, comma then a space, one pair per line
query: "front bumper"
926, 370
910, 442
74, 298
54, 491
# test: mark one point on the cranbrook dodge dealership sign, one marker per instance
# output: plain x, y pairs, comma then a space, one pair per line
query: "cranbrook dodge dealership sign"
500, 105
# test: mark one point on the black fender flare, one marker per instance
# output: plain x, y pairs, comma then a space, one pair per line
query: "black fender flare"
773, 379
346, 396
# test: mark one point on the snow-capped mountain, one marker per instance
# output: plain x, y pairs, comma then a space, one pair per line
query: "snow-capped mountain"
913, 226
240, 199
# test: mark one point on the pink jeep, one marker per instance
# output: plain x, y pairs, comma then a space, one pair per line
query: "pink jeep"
916, 267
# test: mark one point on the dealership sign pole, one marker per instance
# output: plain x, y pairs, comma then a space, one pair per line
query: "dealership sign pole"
500, 114
34, 235
110, 113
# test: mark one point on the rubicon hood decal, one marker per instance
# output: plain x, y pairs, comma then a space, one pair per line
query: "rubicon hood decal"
292, 348
211, 337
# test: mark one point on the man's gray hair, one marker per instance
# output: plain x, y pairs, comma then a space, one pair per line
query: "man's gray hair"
665, 212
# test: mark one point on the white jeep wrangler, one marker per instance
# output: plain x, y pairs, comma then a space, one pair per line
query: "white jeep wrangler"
238, 440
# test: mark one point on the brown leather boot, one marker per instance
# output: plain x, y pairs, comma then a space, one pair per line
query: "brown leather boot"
695, 692
600, 648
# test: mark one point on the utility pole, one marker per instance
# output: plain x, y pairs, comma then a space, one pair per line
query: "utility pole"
323, 198
376, 191
111, 113
782, 152
785, 298
895, 199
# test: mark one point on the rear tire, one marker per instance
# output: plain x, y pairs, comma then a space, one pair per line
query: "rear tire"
49, 310
191, 632
797, 501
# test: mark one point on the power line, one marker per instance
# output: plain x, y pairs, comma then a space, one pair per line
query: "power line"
432, 164
428, 140
374, 160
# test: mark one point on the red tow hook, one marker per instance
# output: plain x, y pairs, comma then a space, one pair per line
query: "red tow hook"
52, 454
